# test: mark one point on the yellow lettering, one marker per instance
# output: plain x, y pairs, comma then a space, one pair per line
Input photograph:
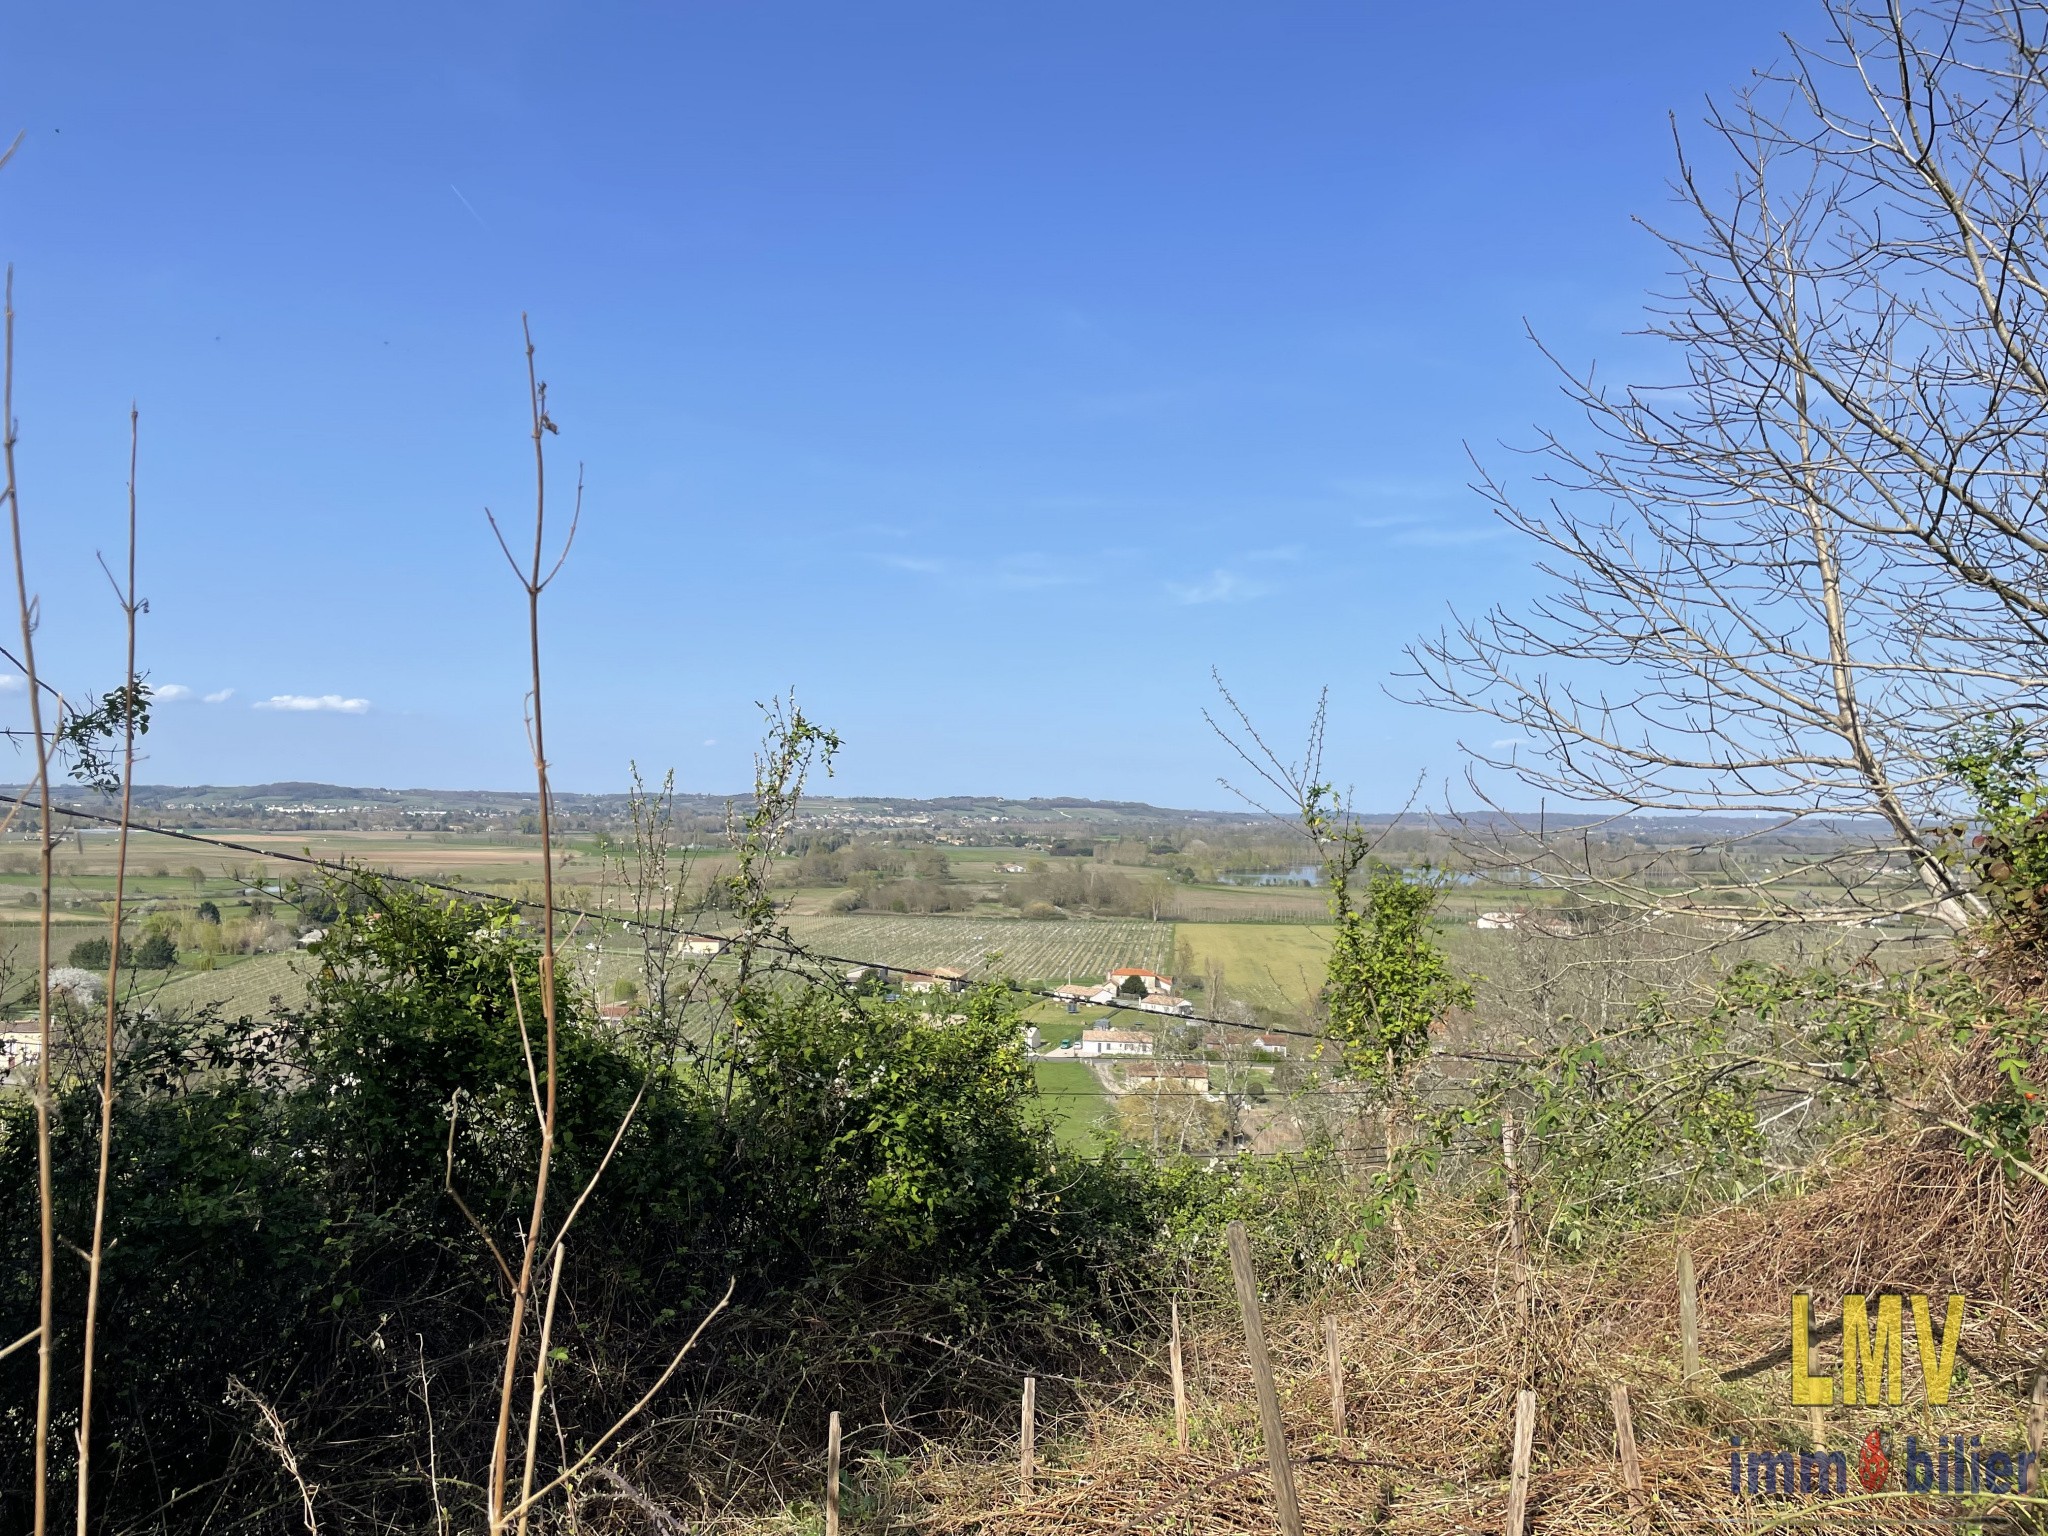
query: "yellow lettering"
1873, 1351
1807, 1391
1937, 1372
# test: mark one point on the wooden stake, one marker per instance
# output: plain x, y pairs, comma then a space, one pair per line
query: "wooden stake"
1688, 1315
1518, 1480
1336, 1359
1625, 1444
1816, 1427
832, 1477
1518, 1248
1180, 1386
2037, 1428
1027, 1444
1284, 1501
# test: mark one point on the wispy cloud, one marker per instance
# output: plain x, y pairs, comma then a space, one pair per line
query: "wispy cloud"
1379, 520
1278, 553
294, 702
1218, 587
11, 683
1447, 536
172, 693
221, 697
1034, 571
1511, 741
923, 566
1387, 488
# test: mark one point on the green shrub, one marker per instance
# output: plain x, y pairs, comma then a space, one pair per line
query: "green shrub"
278, 1214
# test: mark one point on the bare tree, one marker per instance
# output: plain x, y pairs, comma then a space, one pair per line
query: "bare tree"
1783, 581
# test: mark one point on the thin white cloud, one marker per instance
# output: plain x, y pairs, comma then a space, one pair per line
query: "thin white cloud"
1512, 741
314, 701
923, 567
11, 683
220, 698
1279, 552
1391, 488
1218, 587
172, 693
710, 741
1033, 570
1454, 537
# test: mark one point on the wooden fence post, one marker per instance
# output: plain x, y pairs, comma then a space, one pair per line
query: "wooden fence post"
1817, 1427
1625, 1444
1027, 1444
1180, 1386
832, 1477
1688, 1315
1285, 1504
1518, 1476
1518, 1247
2037, 1429
1336, 1359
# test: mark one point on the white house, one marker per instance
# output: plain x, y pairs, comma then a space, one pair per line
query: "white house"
1073, 996
1115, 1042
938, 979
700, 944
20, 1046
1154, 982
1162, 1002
1498, 920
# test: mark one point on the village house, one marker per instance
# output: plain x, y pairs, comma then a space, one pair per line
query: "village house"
1188, 1077
700, 944
1078, 993
938, 979
21, 1046
1154, 982
1161, 1002
1115, 1042
617, 1013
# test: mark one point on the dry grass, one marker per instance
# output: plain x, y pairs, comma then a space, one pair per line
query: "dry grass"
1433, 1360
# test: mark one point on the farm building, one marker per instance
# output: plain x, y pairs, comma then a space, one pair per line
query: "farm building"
700, 944
1115, 1042
1154, 982
1073, 996
938, 979
1191, 1077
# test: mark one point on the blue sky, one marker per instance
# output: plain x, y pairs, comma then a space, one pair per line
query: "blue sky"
985, 372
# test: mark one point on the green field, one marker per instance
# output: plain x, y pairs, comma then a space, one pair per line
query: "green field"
1075, 1100
245, 987
1270, 965
1030, 951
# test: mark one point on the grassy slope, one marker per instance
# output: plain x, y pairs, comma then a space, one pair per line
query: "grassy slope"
1076, 1101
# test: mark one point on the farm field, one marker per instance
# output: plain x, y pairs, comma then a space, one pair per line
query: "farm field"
1030, 951
1075, 1099
1270, 965
242, 988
